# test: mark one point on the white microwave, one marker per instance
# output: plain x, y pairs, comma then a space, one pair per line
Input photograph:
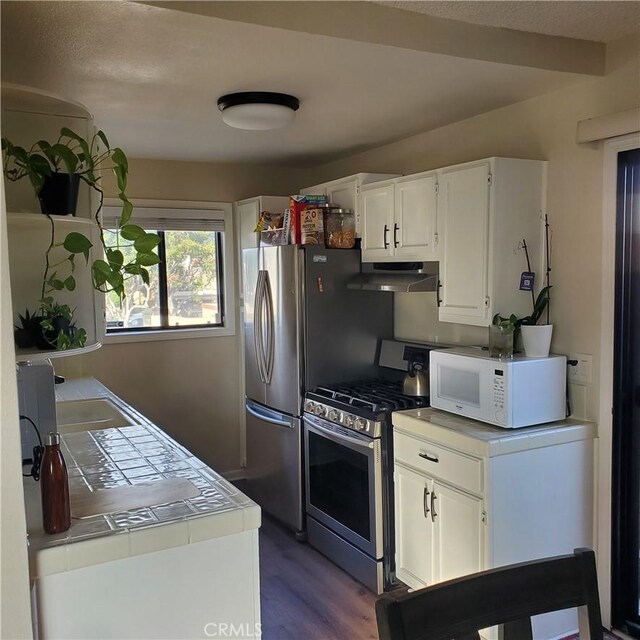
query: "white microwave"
510, 392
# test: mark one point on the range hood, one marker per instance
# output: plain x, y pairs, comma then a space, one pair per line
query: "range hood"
401, 277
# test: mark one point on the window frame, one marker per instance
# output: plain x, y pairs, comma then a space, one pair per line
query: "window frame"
215, 211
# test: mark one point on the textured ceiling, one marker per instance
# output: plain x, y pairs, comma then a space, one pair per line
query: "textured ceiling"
150, 75
600, 21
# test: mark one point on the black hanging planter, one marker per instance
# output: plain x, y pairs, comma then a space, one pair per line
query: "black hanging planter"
59, 194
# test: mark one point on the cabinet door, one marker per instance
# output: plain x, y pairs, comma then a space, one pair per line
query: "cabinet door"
414, 232
247, 215
318, 190
414, 529
463, 219
458, 532
343, 194
377, 223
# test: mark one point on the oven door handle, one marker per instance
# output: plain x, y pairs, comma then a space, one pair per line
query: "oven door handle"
338, 436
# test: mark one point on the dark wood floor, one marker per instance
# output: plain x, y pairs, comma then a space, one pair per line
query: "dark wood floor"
304, 596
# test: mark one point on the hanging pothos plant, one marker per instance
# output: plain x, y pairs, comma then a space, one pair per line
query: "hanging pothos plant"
84, 160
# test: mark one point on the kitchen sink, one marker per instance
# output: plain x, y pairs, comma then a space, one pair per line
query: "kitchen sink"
90, 415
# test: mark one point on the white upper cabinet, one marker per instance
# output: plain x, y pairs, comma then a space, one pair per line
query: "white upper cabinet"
485, 210
345, 192
415, 230
464, 220
378, 218
399, 219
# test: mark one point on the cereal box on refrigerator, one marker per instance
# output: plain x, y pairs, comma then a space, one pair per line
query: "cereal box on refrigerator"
297, 205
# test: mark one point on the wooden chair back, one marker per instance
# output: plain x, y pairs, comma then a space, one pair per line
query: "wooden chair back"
508, 596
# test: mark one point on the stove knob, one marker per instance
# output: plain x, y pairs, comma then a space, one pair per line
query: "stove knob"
320, 410
361, 424
334, 415
347, 420
309, 406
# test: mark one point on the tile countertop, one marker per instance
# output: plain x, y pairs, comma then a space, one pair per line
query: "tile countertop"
119, 456
480, 439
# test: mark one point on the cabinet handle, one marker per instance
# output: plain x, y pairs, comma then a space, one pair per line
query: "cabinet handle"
434, 497
425, 503
395, 234
429, 457
438, 298
386, 231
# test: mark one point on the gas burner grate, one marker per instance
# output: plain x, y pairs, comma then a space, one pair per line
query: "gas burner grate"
375, 396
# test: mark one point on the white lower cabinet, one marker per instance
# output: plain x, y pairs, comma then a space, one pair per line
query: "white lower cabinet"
471, 497
458, 532
439, 530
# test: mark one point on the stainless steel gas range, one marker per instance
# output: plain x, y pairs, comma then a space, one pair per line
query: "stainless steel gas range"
349, 467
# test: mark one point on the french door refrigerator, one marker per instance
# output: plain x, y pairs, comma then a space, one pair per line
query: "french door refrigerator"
302, 328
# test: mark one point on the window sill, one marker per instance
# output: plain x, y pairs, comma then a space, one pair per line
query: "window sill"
167, 334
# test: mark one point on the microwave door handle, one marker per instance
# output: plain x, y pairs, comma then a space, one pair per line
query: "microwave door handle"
268, 297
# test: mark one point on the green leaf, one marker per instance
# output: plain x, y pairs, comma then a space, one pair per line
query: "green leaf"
56, 284
120, 159
115, 257
127, 210
146, 243
132, 232
39, 163
77, 243
121, 178
100, 266
102, 137
147, 259
144, 274
133, 269
540, 305
70, 283
68, 157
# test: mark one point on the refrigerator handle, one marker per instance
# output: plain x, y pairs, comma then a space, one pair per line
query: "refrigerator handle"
268, 416
257, 325
268, 360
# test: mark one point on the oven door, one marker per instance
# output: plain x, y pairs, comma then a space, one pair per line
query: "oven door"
344, 483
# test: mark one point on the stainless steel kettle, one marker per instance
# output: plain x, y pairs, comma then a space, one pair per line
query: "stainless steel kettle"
416, 382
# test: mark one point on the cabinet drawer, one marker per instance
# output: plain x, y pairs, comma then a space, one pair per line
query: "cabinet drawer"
456, 468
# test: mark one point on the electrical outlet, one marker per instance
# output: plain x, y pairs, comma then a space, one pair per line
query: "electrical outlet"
581, 372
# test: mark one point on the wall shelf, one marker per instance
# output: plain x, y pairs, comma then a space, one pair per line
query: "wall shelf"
29, 236
40, 219
38, 355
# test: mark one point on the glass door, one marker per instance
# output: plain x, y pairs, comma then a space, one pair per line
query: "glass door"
626, 411
343, 485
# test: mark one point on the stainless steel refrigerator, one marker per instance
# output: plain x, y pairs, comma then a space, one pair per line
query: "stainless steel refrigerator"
303, 327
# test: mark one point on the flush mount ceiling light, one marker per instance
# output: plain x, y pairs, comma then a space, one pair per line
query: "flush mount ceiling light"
258, 110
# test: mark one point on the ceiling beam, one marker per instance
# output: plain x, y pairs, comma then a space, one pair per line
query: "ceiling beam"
388, 26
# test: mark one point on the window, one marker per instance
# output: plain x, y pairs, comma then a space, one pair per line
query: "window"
188, 290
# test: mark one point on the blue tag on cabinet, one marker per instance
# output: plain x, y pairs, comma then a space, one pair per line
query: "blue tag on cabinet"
527, 278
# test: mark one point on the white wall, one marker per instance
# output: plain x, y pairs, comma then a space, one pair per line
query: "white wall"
189, 387
15, 606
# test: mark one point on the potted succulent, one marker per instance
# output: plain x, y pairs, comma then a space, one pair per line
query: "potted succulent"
26, 334
55, 170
